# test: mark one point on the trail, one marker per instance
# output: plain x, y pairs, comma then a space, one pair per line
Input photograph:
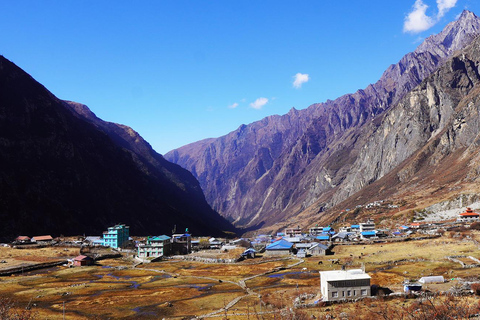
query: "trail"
248, 292
241, 283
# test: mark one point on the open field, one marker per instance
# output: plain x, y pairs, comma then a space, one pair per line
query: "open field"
113, 289
29, 256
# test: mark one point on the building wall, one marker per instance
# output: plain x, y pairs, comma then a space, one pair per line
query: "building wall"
346, 289
116, 236
367, 226
316, 252
154, 250
467, 219
277, 253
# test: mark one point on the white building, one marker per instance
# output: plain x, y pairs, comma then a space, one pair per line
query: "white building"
468, 216
293, 232
315, 231
367, 226
344, 285
155, 247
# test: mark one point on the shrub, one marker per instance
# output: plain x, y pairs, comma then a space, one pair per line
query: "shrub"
10, 311
476, 288
475, 226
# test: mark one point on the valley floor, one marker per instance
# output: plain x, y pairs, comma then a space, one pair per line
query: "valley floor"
261, 288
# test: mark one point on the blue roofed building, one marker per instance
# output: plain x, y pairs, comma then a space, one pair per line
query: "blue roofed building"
116, 236
368, 234
182, 243
279, 248
249, 253
323, 237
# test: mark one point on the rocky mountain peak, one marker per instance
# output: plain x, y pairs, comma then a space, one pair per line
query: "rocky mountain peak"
453, 37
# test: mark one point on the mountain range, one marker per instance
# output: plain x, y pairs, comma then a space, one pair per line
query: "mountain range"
65, 171
411, 138
414, 129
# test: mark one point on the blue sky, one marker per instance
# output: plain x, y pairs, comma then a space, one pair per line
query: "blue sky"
180, 71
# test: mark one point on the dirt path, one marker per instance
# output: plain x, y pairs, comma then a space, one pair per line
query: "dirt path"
241, 283
249, 292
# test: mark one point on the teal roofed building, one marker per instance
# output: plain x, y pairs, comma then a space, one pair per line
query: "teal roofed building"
155, 247
116, 236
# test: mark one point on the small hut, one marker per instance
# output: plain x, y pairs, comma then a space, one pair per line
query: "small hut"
82, 260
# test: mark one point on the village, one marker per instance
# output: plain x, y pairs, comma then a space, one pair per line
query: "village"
313, 269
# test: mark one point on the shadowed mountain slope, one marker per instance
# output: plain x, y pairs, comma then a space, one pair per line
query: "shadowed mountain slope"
63, 174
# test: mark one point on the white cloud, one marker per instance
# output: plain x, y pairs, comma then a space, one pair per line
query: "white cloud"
418, 20
444, 6
300, 78
233, 106
259, 103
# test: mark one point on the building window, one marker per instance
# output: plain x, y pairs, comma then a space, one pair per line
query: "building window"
349, 293
364, 292
334, 294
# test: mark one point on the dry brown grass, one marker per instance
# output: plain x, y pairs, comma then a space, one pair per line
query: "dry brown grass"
17, 257
177, 289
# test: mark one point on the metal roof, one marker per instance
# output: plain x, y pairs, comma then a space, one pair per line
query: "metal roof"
42, 238
319, 245
342, 235
82, 257
431, 279
160, 238
279, 245
338, 275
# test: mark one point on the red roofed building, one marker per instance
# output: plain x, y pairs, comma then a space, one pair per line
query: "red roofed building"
82, 260
43, 239
22, 239
468, 216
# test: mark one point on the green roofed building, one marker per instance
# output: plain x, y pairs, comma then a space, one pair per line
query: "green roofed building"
155, 247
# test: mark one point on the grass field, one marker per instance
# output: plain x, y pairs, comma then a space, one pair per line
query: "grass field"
184, 289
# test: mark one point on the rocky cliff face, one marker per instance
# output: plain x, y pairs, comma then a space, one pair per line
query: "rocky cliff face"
434, 111
68, 172
426, 148
272, 169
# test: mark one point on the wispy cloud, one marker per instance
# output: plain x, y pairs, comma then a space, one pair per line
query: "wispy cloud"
299, 79
444, 6
418, 20
233, 106
259, 103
